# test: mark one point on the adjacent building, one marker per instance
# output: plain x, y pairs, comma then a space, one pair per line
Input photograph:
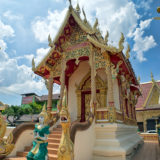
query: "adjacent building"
29, 98
148, 106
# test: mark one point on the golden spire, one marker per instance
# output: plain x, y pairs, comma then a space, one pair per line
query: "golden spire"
33, 64
127, 52
152, 78
106, 37
139, 79
78, 10
70, 3
95, 24
121, 41
84, 14
50, 41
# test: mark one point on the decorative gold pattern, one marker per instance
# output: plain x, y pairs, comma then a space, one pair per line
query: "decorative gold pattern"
85, 85
6, 145
65, 150
127, 52
121, 41
155, 97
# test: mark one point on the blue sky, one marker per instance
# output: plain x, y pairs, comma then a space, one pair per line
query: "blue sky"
25, 25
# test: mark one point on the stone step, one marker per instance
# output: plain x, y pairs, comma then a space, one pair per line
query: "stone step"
16, 158
56, 132
22, 154
53, 145
54, 136
52, 154
52, 151
27, 148
59, 126
52, 157
54, 140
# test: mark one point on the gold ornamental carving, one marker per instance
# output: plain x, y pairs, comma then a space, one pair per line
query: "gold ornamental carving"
6, 145
85, 85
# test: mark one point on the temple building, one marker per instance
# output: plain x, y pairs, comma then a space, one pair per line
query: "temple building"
101, 87
99, 79
148, 106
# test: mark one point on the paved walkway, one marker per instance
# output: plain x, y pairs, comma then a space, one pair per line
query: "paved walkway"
149, 151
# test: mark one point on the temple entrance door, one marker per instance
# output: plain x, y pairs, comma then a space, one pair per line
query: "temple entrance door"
85, 104
84, 96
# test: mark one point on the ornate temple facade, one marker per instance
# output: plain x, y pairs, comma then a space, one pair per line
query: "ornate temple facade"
148, 106
100, 80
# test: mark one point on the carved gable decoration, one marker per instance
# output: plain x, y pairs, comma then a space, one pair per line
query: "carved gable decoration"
154, 98
76, 44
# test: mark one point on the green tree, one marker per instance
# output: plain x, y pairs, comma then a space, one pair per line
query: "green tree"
13, 111
37, 108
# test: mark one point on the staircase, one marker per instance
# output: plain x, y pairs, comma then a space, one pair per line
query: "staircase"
53, 144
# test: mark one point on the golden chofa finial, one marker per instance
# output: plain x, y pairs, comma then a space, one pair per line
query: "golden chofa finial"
78, 10
84, 14
70, 3
106, 38
33, 65
139, 79
152, 78
127, 52
95, 24
50, 43
121, 41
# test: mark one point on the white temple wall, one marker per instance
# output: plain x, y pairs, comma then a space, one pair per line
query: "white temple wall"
84, 143
25, 139
76, 78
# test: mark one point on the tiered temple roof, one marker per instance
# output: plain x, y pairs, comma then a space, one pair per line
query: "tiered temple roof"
93, 36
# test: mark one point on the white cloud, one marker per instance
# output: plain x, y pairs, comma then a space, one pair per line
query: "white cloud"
15, 77
144, 4
42, 27
142, 43
5, 30
115, 16
9, 15
40, 54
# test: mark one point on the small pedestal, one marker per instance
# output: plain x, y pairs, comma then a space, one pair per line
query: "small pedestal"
115, 141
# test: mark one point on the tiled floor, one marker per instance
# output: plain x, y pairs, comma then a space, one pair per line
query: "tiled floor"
149, 151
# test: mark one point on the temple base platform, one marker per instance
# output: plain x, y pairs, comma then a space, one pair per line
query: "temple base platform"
115, 141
